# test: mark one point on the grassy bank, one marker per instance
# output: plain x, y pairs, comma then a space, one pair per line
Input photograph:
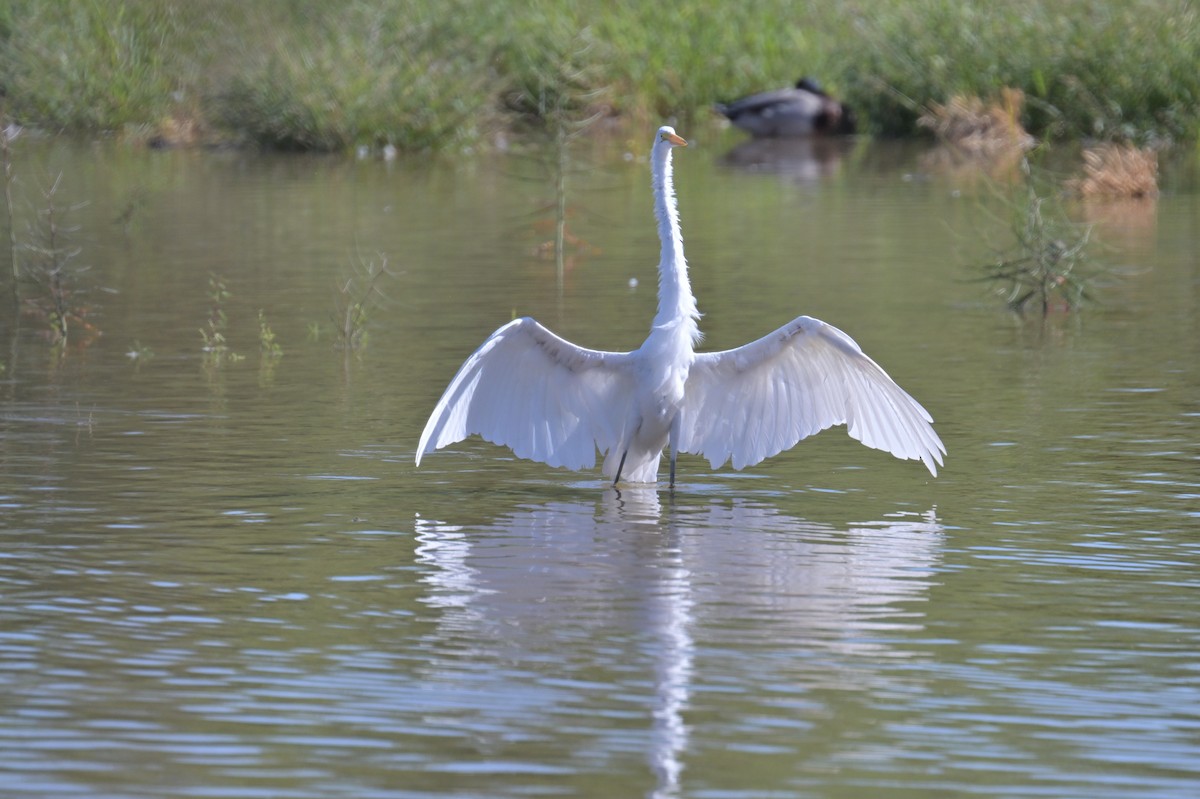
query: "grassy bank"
427, 74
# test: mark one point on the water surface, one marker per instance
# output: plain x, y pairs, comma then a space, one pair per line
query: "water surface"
229, 580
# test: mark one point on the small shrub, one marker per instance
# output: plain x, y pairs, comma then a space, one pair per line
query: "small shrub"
359, 295
1116, 170
8, 134
978, 127
1047, 266
50, 264
216, 346
266, 338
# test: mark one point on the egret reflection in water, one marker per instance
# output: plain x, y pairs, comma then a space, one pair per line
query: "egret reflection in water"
561, 574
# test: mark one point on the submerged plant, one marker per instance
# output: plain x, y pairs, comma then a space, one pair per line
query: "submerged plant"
269, 348
358, 296
8, 133
51, 266
134, 203
266, 338
1048, 263
216, 346
565, 97
139, 352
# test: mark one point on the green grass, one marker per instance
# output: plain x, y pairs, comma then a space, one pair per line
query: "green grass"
89, 66
359, 74
1114, 69
431, 74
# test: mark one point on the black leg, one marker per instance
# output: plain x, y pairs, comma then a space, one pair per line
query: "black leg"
620, 466
672, 469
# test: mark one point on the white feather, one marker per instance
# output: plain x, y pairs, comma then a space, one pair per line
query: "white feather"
755, 401
537, 394
551, 401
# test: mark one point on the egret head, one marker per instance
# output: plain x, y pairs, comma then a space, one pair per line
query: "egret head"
667, 134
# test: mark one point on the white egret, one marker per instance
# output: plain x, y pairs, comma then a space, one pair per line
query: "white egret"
554, 402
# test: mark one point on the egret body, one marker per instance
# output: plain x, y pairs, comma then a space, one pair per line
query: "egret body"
552, 401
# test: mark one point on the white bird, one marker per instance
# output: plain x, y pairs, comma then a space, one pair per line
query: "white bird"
552, 401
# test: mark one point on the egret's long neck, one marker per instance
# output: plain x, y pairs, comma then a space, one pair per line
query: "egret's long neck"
676, 305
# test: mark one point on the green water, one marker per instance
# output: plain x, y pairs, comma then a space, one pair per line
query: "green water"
229, 580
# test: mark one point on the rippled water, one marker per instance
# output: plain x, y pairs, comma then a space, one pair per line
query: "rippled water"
230, 580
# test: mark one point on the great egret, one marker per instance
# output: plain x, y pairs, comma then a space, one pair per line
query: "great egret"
554, 402
800, 111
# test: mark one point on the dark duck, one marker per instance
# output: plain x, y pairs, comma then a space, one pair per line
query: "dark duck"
805, 110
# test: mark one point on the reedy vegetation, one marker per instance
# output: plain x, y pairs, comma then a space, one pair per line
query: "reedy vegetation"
1048, 267
429, 74
49, 263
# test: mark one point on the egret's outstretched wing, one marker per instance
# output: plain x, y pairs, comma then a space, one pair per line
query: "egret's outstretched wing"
540, 395
758, 400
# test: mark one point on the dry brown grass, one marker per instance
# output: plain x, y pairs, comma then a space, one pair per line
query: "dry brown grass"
177, 130
1117, 170
980, 128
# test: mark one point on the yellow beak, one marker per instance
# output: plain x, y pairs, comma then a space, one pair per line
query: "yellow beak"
676, 140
